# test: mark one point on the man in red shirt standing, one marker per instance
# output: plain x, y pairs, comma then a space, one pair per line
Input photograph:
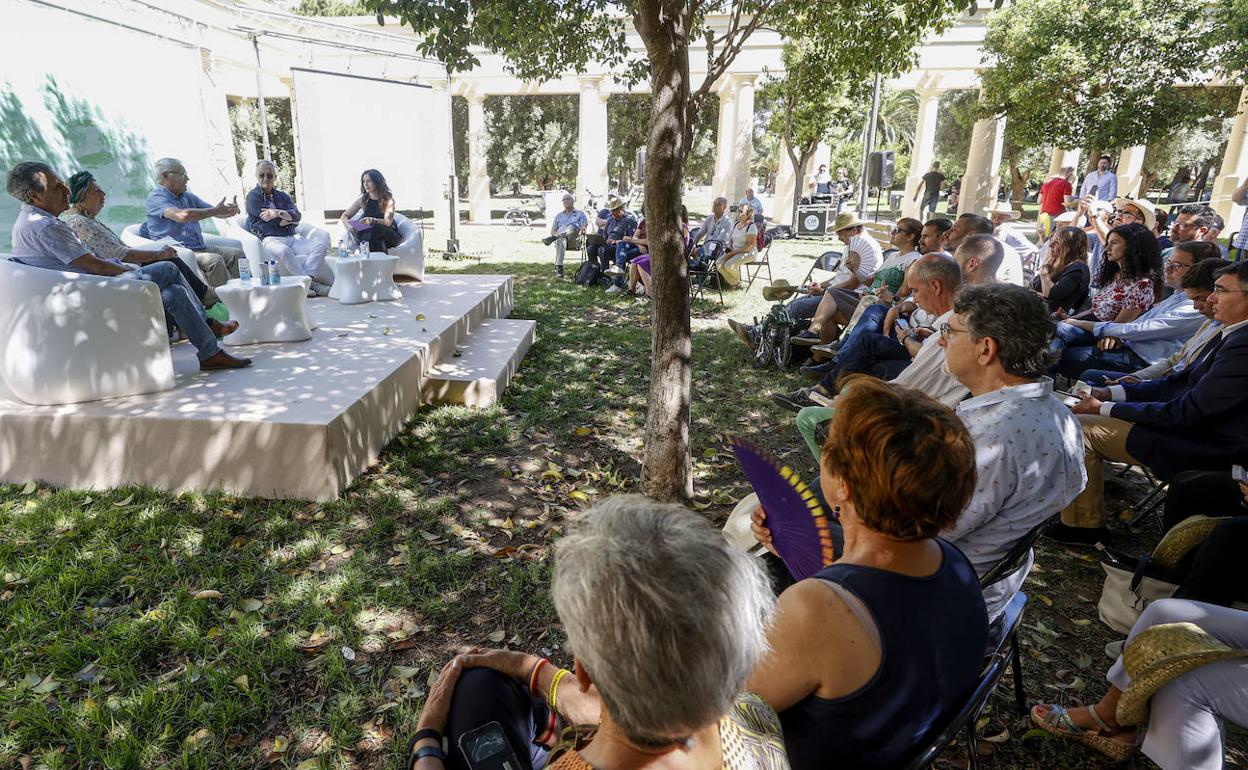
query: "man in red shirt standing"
1053, 198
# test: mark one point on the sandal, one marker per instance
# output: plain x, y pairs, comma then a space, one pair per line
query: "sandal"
1058, 723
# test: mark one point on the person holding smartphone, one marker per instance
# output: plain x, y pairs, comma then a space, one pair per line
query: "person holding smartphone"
665, 621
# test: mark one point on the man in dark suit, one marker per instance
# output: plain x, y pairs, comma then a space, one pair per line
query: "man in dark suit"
1195, 419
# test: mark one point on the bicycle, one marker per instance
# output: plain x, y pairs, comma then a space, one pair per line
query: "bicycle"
517, 217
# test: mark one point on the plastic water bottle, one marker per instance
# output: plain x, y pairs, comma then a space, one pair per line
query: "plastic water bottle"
244, 270
363, 251
264, 273
275, 274
342, 248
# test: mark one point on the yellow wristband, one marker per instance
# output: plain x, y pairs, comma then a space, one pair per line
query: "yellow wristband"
554, 686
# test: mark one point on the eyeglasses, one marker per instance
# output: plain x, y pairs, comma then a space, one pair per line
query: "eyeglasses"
1223, 290
1172, 266
266, 175
946, 330
182, 174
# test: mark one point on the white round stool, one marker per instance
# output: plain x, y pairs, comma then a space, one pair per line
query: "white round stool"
358, 280
268, 313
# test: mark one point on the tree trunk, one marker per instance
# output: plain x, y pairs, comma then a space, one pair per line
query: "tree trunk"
799, 172
1018, 182
666, 471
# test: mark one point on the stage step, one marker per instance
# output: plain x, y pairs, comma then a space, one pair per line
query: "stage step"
488, 357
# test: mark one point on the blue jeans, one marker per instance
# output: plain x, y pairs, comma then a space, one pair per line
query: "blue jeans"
1069, 334
600, 253
1079, 359
623, 253
1097, 377
803, 308
861, 349
180, 304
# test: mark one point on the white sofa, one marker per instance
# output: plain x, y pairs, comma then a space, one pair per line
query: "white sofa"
411, 251
236, 228
71, 338
130, 236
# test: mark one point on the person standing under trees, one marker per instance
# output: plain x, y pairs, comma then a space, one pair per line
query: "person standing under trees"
930, 188
1053, 199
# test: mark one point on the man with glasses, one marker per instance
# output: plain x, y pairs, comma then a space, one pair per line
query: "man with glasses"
274, 218
1194, 419
1192, 223
174, 212
1152, 337
569, 226
1028, 447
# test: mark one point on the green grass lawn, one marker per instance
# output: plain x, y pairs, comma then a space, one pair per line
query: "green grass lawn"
143, 629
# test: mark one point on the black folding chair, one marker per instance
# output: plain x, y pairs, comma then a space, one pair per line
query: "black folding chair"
963, 721
752, 269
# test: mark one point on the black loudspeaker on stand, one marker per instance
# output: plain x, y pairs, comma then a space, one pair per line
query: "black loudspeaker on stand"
880, 175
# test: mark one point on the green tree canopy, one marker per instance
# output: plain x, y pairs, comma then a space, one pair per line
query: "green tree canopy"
532, 141
1095, 73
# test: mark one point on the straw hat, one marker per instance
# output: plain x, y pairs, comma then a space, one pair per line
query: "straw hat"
846, 220
614, 203
1161, 654
1003, 207
1181, 539
1143, 205
778, 291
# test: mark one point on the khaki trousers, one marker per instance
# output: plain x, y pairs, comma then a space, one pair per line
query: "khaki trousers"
1104, 438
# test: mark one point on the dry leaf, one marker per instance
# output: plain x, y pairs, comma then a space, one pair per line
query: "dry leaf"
124, 501
202, 734
208, 593
243, 683
250, 605
348, 653
497, 636
47, 685
88, 673
30, 488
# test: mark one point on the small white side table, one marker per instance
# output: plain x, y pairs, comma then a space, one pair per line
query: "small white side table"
358, 280
268, 313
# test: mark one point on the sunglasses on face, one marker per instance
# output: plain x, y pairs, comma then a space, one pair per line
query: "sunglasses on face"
267, 175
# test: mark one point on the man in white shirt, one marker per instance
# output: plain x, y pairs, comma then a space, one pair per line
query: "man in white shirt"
861, 258
1028, 446
1023, 250
715, 232
1102, 183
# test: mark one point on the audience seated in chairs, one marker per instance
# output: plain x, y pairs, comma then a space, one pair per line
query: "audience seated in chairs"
1020, 253
273, 218
1197, 286
175, 212
908, 352
665, 621
619, 225
41, 240
964, 227
631, 246
711, 240
639, 282
1215, 505
854, 680
86, 199
1151, 337
859, 262
1064, 278
566, 231
1183, 671
742, 248
1194, 419
376, 207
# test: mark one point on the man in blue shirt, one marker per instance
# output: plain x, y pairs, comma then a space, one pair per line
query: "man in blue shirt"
174, 212
753, 203
1104, 180
42, 240
567, 229
618, 224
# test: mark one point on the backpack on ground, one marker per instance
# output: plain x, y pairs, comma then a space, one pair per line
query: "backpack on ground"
589, 274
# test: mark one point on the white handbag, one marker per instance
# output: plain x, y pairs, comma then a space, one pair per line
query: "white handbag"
1129, 589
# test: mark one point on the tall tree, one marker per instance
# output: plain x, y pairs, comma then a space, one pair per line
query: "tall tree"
1095, 73
532, 35
531, 140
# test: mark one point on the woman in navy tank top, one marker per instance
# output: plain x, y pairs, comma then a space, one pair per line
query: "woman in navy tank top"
873, 652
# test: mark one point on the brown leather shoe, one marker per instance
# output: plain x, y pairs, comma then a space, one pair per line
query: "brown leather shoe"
223, 360
219, 329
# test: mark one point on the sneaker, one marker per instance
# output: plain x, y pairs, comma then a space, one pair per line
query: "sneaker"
614, 270
615, 289
830, 349
558, 271
805, 338
819, 369
819, 398
742, 331
548, 240
319, 289
797, 400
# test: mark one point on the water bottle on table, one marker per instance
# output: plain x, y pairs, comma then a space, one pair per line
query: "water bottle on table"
244, 270
275, 273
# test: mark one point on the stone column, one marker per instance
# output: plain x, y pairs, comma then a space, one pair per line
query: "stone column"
782, 201
1131, 170
1233, 170
1061, 159
743, 150
478, 175
591, 167
983, 166
924, 148
725, 139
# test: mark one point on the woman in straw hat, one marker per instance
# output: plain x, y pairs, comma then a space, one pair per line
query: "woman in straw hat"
1184, 669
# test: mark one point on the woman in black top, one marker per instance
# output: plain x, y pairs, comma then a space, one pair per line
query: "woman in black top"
1064, 278
377, 204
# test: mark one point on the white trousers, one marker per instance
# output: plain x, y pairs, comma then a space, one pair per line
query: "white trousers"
1185, 716
297, 255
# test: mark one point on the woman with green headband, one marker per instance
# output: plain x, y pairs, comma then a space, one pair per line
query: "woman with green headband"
86, 200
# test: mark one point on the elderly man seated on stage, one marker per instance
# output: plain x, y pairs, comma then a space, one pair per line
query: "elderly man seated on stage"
567, 230
175, 212
273, 217
41, 240
86, 199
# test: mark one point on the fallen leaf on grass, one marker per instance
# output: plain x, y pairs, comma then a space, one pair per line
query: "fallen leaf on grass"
243, 683
250, 605
194, 739
348, 653
1046, 600
316, 641
208, 593
497, 636
1036, 733
124, 501
30, 488
88, 673
583, 431
47, 685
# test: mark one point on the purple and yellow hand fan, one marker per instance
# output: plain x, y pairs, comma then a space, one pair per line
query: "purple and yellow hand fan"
797, 520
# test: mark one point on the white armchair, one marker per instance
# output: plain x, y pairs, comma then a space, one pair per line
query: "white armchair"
236, 228
410, 251
130, 236
71, 338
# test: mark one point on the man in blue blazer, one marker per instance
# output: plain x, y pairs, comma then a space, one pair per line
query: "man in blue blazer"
1195, 419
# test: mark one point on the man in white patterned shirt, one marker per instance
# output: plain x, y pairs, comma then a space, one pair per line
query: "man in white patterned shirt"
1028, 446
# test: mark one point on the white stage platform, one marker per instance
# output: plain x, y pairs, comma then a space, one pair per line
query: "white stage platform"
304, 420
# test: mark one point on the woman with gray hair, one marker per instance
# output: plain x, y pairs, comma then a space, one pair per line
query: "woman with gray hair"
273, 217
665, 621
